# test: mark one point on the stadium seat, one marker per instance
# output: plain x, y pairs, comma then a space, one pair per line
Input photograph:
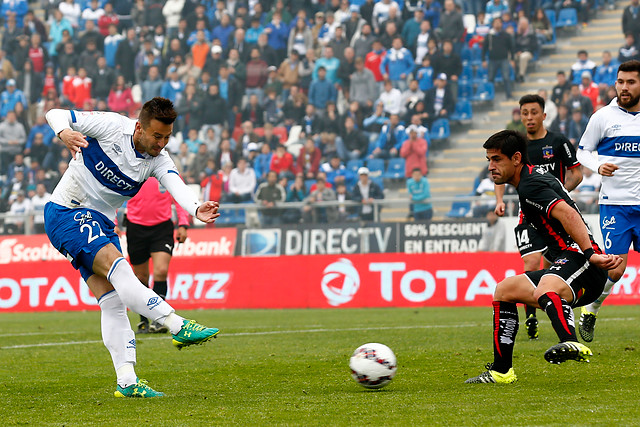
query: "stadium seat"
551, 16
440, 130
308, 183
463, 111
395, 168
459, 209
481, 75
567, 18
355, 164
465, 56
378, 180
484, 92
232, 216
465, 90
376, 167
512, 75
467, 73
476, 56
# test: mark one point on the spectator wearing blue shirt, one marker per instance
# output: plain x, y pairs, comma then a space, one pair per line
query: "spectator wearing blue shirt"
111, 43
495, 9
40, 127
330, 65
397, 64
390, 139
411, 28
173, 86
322, 90
418, 188
10, 97
16, 8
432, 11
254, 31
57, 26
201, 25
223, 31
262, 162
606, 73
424, 75
278, 33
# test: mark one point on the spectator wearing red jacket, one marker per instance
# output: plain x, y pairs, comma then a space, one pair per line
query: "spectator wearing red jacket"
81, 89
414, 151
308, 161
120, 98
68, 94
590, 89
109, 17
282, 163
374, 58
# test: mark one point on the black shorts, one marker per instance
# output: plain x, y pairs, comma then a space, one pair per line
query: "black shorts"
529, 240
142, 240
585, 279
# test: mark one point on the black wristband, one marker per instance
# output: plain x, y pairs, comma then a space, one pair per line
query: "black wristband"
588, 252
184, 226
196, 212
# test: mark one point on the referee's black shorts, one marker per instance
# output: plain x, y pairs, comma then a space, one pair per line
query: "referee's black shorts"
585, 279
142, 240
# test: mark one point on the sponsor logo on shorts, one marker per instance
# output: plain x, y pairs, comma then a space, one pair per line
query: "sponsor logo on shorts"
82, 217
153, 302
608, 222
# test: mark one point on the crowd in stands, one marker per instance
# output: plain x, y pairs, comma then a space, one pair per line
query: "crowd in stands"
278, 100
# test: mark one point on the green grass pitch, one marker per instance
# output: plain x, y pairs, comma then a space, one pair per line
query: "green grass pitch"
290, 367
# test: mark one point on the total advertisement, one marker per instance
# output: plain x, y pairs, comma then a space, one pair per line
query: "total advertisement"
299, 281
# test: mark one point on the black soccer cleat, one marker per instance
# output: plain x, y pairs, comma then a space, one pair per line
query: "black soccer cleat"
532, 327
568, 350
587, 325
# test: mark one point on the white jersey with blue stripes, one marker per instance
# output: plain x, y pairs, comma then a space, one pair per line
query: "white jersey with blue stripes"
614, 133
110, 170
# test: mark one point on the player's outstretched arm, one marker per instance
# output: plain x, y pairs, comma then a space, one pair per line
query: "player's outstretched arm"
187, 199
60, 122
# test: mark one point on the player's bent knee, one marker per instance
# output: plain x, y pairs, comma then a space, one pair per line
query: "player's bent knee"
514, 289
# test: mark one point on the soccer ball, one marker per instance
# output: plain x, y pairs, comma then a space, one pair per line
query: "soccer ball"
373, 365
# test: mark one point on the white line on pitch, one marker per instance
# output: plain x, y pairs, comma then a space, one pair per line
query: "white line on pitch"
27, 334
296, 331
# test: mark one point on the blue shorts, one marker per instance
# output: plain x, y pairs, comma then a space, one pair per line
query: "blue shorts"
620, 225
79, 234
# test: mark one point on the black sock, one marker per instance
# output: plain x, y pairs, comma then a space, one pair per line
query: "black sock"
529, 311
505, 328
160, 288
560, 314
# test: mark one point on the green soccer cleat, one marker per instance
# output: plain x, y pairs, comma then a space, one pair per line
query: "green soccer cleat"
140, 389
568, 350
193, 333
532, 327
587, 324
493, 377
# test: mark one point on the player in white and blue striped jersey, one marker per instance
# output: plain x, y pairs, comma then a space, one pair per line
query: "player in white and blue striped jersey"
613, 133
113, 157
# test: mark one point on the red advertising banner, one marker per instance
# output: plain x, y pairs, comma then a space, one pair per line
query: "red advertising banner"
323, 281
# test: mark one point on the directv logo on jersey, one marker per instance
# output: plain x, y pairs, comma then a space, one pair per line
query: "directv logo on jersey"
111, 176
261, 242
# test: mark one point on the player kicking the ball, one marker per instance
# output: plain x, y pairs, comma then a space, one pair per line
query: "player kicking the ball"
112, 158
577, 273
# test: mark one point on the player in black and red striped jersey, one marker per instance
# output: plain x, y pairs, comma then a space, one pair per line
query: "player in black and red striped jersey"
553, 152
578, 270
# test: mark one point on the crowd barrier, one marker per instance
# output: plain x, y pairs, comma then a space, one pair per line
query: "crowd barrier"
349, 265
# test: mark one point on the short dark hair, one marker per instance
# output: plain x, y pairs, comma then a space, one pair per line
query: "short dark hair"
583, 52
528, 99
416, 170
509, 142
157, 108
633, 65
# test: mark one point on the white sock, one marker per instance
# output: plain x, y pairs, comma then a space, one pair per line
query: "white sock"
118, 337
594, 307
138, 297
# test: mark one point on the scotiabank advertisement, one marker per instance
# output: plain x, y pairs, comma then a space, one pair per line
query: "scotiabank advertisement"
204, 274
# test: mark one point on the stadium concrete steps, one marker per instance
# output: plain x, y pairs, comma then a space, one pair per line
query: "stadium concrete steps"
453, 170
